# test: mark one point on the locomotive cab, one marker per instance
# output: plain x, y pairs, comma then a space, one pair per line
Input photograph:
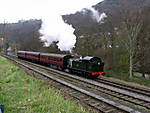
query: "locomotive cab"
88, 66
94, 65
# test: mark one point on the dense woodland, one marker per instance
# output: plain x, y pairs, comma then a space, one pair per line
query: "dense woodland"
122, 40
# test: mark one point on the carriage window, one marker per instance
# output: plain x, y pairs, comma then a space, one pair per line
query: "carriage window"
42, 56
49, 58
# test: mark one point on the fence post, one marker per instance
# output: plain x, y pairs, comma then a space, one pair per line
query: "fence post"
1, 108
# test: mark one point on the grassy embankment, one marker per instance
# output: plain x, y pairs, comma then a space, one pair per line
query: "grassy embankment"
21, 93
124, 78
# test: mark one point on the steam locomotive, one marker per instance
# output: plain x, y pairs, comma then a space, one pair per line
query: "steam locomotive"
91, 67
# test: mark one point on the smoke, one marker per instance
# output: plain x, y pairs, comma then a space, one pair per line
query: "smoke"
61, 32
49, 11
101, 18
95, 14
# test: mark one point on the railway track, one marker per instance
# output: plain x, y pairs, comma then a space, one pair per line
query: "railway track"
139, 90
84, 93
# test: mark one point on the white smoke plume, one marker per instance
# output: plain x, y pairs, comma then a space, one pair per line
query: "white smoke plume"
61, 32
101, 18
49, 11
95, 14
64, 33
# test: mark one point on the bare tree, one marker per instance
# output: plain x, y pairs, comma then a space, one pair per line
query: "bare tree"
129, 22
143, 47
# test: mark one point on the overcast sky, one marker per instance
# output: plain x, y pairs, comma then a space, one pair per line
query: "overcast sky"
50, 11
14, 10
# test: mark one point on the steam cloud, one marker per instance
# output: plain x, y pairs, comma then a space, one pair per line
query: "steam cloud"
98, 17
95, 14
53, 27
63, 33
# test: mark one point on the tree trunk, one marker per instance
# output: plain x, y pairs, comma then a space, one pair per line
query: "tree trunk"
131, 67
131, 59
143, 74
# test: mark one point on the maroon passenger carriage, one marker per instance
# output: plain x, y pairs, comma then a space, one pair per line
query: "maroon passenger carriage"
21, 54
58, 60
32, 56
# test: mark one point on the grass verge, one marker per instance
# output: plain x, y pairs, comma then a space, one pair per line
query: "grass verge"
124, 78
21, 93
